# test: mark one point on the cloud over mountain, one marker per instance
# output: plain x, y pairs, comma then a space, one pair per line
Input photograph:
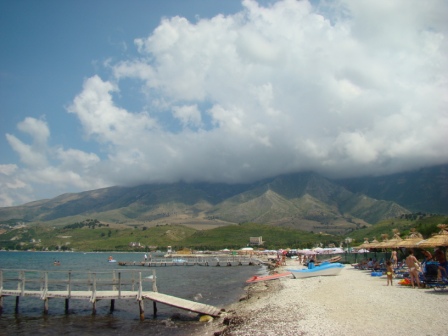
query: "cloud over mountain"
344, 89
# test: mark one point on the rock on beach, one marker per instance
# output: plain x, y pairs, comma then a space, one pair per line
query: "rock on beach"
352, 303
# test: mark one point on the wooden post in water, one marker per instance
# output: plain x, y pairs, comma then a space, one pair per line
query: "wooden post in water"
154, 289
112, 305
46, 306
154, 281
141, 306
93, 298
1, 286
17, 304
154, 308
66, 305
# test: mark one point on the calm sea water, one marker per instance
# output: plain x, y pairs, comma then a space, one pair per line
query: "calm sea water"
217, 286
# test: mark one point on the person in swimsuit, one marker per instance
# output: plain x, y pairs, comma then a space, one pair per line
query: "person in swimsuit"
441, 258
428, 255
389, 272
394, 259
414, 266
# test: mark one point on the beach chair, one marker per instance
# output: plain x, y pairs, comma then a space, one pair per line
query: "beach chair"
432, 277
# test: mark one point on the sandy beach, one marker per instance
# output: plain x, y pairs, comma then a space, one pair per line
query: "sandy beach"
352, 303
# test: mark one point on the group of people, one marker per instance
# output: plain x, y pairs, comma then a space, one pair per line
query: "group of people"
371, 264
415, 267
146, 257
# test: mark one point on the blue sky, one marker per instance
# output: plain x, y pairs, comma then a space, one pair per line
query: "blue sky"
102, 93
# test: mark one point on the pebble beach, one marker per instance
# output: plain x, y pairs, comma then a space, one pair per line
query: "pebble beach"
351, 303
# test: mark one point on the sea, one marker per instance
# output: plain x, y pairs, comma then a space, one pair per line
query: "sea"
212, 285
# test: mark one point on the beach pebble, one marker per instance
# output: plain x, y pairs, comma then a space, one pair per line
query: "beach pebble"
352, 303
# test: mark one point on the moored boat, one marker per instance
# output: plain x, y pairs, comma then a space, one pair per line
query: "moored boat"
324, 269
257, 278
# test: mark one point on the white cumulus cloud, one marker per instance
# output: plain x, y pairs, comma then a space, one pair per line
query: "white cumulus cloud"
343, 88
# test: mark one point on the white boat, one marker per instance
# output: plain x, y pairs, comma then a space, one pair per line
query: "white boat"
322, 270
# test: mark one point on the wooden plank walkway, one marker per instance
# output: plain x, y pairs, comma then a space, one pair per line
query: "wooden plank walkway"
173, 301
82, 295
92, 286
169, 300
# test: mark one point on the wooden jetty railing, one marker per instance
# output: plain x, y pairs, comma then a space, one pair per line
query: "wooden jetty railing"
194, 261
92, 286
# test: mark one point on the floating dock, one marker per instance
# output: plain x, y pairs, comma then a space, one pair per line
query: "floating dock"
92, 286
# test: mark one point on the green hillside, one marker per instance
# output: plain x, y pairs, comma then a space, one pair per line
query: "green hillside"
237, 236
92, 235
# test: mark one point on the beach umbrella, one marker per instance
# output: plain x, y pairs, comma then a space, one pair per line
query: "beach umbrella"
440, 239
373, 244
381, 245
363, 245
411, 241
391, 243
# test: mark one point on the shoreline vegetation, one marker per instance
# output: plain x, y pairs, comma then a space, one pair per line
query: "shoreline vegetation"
352, 303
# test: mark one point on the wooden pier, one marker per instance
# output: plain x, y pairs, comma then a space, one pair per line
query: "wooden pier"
92, 286
194, 261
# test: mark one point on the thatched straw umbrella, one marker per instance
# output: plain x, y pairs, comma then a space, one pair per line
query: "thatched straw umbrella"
373, 243
411, 241
391, 243
363, 245
384, 240
440, 239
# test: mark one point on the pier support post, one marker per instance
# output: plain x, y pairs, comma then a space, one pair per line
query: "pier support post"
154, 308
46, 306
94, 307
17, 304
112, 305
66, 305
1, 304
141, 306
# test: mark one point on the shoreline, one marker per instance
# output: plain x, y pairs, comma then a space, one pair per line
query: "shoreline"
352, 303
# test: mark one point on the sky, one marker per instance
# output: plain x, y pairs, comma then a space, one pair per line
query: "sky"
103, 93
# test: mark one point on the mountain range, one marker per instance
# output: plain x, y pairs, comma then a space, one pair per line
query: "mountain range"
305, 201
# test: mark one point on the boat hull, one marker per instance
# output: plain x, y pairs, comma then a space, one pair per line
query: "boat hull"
324, 270
268, 277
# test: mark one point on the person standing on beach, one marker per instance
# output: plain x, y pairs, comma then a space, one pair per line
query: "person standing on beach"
389, 272
413, 265
441, 258
394, 259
